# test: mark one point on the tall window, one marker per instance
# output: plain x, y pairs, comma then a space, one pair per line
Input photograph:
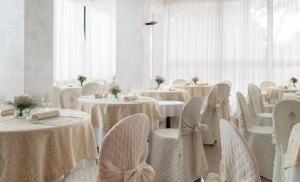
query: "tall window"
239, 40
84, 41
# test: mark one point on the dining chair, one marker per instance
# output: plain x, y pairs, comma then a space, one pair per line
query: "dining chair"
238, 162
258, 109
210, 117
68, 99
258, 137
122, 156
178, 154
266, 84
285, 116
223, 96
91, 88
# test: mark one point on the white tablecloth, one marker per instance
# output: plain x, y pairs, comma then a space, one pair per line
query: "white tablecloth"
164, 95
291, 96
44, 152
170, 108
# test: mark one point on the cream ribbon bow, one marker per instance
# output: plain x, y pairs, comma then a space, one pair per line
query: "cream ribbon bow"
200, 163
110, 173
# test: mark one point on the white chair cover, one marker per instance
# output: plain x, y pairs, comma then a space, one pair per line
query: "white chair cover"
258, 137
238, 162
91, 88
68, 99
286, 115
123, 154
227, 82
124, 151
257, 107
178, 155
266, 84
210, 117
223, 96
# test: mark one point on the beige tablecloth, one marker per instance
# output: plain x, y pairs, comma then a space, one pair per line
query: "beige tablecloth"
198, 90
292, 157
44, 152
164, 95
57, 92
105, 113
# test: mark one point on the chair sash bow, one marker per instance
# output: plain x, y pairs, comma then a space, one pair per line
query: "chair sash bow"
200, 163
109, 172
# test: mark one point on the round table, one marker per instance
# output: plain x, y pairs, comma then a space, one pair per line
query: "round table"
105, 112
164, 95
47, 150
170, 109
292, 157
291, 96
198, 90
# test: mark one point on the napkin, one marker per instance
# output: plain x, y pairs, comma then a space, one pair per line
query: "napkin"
45, 115
130, 98
172, 89
7, 112
298, 92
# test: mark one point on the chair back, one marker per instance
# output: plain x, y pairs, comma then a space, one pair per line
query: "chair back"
266, 84
124, 150
90, 88
285, 116
179, 82
238, 162
68, 99
190, 135
223, 96
244, 117
255, 97
227, 82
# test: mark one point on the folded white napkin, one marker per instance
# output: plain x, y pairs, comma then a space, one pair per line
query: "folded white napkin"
298, 92
172, 89
130, 98
7, 112
45, 115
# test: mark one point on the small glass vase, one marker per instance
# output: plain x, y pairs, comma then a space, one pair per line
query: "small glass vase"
158, 87
20, 114
115, 97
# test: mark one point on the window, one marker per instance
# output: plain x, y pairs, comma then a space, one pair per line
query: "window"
84, 41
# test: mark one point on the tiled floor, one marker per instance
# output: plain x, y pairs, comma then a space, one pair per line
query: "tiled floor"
213, 156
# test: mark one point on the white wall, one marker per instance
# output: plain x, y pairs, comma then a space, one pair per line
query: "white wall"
11, 47
39, 46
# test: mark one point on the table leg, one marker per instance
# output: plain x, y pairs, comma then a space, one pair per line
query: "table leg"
168, 124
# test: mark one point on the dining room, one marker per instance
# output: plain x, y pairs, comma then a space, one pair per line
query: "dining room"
150, 90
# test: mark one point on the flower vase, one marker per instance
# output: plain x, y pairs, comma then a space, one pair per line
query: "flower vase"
115, 97
20, 114
158, 87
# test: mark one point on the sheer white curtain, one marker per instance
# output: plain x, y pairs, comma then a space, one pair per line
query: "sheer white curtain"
231, 40
100, 45
69, 40
84, 44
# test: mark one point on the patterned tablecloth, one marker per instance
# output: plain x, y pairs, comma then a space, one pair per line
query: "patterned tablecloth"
105, 112
45, 151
